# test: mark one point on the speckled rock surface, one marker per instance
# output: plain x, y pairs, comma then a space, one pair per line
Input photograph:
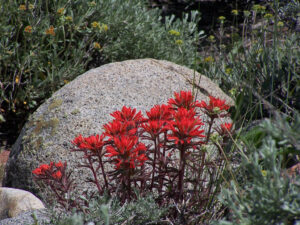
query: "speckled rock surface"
84, 105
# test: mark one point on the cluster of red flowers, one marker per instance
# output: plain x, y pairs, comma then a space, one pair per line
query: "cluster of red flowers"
173, 126
53, 170
215, 108
179, 119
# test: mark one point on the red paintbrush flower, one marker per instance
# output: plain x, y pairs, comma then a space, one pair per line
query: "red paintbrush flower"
57, 175
117, 128
93, 143
127, 115
43, 169
127, 152
59, 164
224, 129
184, 99
215, 106
160, 112
185, 127
154, 127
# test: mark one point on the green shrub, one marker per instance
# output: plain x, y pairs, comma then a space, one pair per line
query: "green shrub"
46, 44
141, 211
266, 192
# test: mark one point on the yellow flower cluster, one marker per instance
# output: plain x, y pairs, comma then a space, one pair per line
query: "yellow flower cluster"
211, 38
222, 18
179, 42
17, 80
235, 12
100, 27
246, 13
97, 45
50, 31
104, 27
92, 4
95, 24
268, 16
28, 29
280, 24
69, 18
23, 7
209, 59
258, 8
174, 32
228, 71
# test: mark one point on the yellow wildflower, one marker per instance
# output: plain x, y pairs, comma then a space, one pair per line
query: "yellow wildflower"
31, 6
50, 31
264, 173
228, 71
66, 81
61, 11
22, 7
211, 38
28, 29
179, 42
280, 24
95, 24
92, 4
268, 16
209, 59
260, 50
17, 80
97, 45
104, 27
69, 18
232, 91
246, 13
258, 8
235, 12
222, 18
174, 32
25, 103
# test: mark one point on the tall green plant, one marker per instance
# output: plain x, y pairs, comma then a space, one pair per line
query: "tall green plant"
269, 195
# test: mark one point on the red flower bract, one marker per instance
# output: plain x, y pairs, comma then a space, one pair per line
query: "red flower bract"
43, 169
160, 112
215, 106
185, 127
57, 175
59, 164
154, 127
128, 152
93, 143
184, 99
128, 115
117, 128
225, 128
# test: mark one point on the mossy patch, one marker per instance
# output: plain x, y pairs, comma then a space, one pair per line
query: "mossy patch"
75, 111
55, 104
43, 124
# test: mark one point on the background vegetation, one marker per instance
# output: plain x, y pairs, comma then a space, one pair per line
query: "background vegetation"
253, 54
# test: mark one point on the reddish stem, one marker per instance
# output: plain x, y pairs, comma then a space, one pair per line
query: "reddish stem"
181, 172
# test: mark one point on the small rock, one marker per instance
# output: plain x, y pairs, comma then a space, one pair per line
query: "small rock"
16, 201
